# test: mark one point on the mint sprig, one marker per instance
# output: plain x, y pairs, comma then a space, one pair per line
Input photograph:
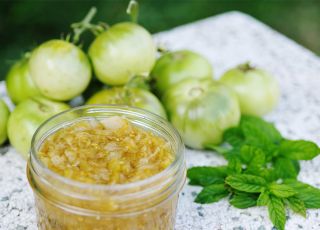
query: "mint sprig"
262, 170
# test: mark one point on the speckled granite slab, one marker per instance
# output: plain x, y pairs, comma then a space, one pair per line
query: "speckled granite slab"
226, 40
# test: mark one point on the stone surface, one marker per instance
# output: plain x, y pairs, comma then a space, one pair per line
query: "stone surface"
226, 40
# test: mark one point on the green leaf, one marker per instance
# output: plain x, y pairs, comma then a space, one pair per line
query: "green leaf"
243, 200
246, 183
259, 132
206, 175
308, 194
247, 152
296, 205
267, 173
299, 150
254, 159
296, 165
263, 198
234, 137
286, 168
281, 190
258, 159
234, 152
277, 212
234, 165
212, 193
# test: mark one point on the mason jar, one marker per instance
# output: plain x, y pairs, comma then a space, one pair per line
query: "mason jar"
62, 203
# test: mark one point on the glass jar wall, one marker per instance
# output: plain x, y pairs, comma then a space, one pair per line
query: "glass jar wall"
62, 203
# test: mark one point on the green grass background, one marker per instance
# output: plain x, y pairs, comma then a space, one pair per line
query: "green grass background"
26, 23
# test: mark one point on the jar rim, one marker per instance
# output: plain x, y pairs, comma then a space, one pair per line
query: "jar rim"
178, 161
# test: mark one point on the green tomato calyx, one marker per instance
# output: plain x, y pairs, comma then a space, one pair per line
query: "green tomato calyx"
245, 67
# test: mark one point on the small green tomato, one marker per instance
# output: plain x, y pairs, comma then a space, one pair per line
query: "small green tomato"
20, 85
140, 98
177, 66
122, 52
201, 111
27, 117
257, 91
60, 70
4, 116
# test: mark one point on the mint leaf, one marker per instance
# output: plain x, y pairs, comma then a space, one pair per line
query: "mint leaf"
247, 152
212, 193
259, 159
286, 168
259, 132
234, 165
308, 194
296, 205
277, 212
299, 150
234, 136
246, 183
267, 173
243, 200
234, 152
263, 199
206, 175
281, 190
254, 159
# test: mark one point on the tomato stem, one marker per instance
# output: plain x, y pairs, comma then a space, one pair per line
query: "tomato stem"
133, 10
85, 24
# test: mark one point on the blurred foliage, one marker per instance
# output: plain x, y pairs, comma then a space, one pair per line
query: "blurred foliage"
26, 23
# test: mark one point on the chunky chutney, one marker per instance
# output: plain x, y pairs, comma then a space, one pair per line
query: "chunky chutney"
106, 151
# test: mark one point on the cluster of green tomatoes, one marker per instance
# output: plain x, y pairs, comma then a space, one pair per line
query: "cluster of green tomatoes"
180, 85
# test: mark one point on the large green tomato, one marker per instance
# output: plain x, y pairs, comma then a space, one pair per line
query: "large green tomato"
257, 90
4, 116
177, 66
140, 98
121, 52
20, 85
60, 70
201, 111
27, 117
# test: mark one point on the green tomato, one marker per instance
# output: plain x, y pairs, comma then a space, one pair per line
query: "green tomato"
177, 66
139, 98
60, 70
20, 85
27, 117
121, 52
4, 116
201, 111
257, 90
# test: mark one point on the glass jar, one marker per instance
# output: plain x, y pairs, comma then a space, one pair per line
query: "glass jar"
62, 203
